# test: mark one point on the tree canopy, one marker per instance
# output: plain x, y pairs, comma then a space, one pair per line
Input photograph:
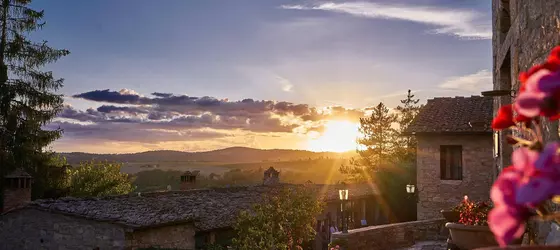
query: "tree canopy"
282, 221
95, 178
28, 98
387, 156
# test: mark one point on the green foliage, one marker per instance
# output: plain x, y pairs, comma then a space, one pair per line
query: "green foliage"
406, 144
244, 174
98, 179
27, 94
283, 221
387, 157
377, 144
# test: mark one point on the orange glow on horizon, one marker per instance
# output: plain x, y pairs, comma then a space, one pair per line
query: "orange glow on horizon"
339, 136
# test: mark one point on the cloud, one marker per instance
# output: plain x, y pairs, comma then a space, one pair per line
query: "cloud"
457, 22
475, 82
126, 133
165, 115
287, 86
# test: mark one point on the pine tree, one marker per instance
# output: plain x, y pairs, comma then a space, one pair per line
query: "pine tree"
27, 94
407, 111
376, 146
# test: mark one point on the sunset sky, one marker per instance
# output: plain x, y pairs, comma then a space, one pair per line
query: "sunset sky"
200, 75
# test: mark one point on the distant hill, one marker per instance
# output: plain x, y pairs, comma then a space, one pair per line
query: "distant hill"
227, 155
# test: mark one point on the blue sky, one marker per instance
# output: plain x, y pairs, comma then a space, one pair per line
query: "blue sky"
320, 53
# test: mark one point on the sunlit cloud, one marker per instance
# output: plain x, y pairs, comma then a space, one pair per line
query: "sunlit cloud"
159, 118
475, 82
467, 24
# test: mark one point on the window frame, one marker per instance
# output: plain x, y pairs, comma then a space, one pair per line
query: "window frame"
446, 154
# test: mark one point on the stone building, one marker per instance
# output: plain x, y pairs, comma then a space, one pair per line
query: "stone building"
454, 152
187, 219
17, 190
524, 32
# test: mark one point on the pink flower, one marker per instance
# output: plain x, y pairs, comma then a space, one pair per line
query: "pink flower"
541, 183
540, 89
532, 101
507, 218
523, 160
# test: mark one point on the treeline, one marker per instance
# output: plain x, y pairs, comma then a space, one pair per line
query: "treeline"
316, 171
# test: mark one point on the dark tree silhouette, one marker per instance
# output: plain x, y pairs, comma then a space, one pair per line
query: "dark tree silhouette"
27, 94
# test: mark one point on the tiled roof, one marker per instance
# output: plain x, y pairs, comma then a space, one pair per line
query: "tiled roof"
454, 115
18, 173
207, 208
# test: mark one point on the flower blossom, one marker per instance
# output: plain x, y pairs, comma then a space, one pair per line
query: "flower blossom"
504, 119
540, 88
543, 181
507, 218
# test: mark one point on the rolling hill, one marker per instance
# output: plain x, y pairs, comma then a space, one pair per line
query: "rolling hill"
227, 155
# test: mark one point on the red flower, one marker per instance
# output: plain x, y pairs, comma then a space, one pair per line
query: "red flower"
504, 119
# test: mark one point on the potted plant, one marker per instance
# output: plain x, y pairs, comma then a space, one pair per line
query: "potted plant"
531, 183
471, 231
453, 214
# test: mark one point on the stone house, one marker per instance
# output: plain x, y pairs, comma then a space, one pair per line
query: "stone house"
523, 34
186, 219
454, 152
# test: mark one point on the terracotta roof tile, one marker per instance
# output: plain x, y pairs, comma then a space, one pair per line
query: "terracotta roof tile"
454, 115
207, 208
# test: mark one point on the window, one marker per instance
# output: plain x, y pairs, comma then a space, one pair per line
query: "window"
451, 159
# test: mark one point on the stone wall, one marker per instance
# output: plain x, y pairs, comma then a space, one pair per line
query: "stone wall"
15, 197
393, 236
524, 32
435, 194
174, 237
34, 229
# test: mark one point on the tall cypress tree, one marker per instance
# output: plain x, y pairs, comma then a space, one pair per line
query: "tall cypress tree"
27, 94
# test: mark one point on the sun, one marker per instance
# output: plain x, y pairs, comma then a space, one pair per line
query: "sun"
339, 136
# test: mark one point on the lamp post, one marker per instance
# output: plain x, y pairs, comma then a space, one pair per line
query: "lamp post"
343, 195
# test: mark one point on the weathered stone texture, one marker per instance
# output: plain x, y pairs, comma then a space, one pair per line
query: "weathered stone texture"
43, 230
16, 197
35, 229
394, 236
534, 31
175, 237
436, 194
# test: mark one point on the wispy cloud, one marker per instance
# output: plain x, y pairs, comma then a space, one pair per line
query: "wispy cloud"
287, 86
467, 24
473, 82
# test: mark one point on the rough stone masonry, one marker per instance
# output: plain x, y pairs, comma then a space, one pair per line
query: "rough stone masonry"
524, 32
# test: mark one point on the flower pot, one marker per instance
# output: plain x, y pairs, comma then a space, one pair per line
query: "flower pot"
450, 215
471, 237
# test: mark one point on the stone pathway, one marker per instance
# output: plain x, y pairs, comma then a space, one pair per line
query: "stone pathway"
427, 245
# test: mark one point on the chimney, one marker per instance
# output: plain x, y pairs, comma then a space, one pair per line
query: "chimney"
17, 190
188, 180
271, 177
